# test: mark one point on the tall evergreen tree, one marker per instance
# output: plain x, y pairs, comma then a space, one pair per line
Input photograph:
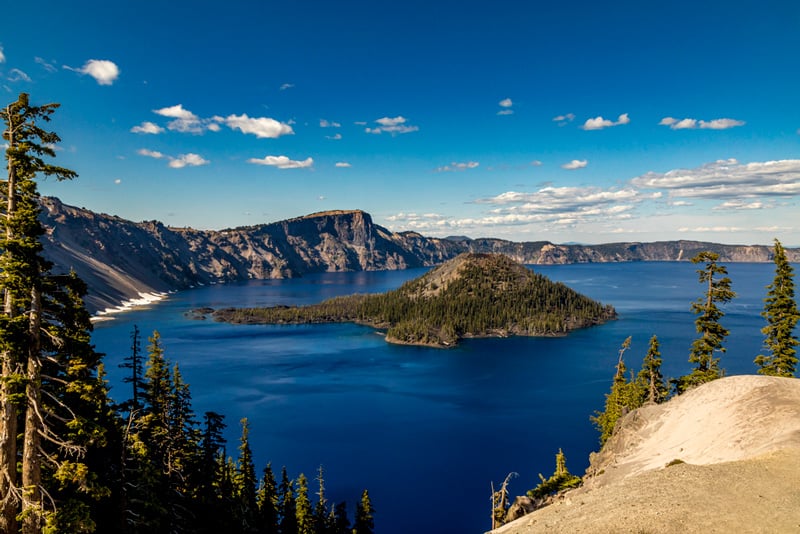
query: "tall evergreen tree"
623, 397
712, 333
321, 512
364, 522
781, 314
268, 502
24, 284
135, 364
246, 482
303, 511
287, 505
650, 379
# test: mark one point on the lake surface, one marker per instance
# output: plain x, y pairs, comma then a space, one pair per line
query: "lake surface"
427, 430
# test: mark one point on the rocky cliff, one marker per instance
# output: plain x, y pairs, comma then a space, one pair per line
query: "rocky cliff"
121, 259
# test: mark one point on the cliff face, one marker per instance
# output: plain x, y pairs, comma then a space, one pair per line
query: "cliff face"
120, 259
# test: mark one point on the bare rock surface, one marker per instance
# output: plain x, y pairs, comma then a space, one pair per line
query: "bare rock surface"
724, 457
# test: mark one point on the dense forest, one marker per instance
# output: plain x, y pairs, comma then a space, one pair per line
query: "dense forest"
472, 295
71, 459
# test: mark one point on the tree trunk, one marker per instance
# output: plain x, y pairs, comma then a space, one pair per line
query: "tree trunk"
31, 459
8, 410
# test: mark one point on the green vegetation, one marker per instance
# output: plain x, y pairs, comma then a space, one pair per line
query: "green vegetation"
561, 480
712, 333
780, 311
474, 295
73, 461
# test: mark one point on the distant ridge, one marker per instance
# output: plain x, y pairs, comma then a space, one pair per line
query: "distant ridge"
120, 260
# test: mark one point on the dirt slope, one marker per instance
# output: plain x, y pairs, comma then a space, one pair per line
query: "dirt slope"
739, 441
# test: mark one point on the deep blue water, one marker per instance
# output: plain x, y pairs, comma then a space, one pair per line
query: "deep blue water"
427, 430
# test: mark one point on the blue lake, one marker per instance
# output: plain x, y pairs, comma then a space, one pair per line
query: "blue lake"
427, 430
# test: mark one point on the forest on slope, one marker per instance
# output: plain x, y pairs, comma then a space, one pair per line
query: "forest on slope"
473, 295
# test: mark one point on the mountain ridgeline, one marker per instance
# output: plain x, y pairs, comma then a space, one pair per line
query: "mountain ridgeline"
472, 295
120, 259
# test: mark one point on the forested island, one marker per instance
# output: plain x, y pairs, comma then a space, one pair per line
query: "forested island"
472, 295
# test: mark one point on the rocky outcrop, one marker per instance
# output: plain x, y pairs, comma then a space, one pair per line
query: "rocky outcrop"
120, 259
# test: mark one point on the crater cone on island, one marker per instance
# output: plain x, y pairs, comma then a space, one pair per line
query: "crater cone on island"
472, 295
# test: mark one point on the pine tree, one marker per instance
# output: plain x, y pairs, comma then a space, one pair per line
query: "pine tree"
268, 502
624, 397
712, 333
303, 511
338, 519
650, 379
246, 482
134, 363
364, 523
286, 504
781, 314
24, 284
321, 512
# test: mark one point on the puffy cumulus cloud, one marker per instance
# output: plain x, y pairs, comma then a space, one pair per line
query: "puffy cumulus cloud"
506, 104
454, 166
598, 123
150, 153
575, 164
343, 164
177, 162
282, 162
693, 124
261, 127
184, 120
727, 179
392, 125
104, 72
187, 160
147, 127
328, 124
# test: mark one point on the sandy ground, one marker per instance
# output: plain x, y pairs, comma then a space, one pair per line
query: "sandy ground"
738, 443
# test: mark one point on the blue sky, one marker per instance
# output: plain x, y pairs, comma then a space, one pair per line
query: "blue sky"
562, 121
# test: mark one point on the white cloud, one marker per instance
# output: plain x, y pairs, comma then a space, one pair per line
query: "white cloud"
335, 137
282, 162
396, 125
454, 166
182, 160
575, 164
104, 72
562, 120
737, 204
328, 124
711, 229
190, 160
506, 104
343, 164
2, 55
49, 67
726, 179
150, 153
598, 123
176, 112
693, 124
16, 75
261, 127
536, 163
185, 121
117, 181
286, 86
147, 127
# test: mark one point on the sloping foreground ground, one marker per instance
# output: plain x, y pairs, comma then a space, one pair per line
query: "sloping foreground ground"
738, 439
